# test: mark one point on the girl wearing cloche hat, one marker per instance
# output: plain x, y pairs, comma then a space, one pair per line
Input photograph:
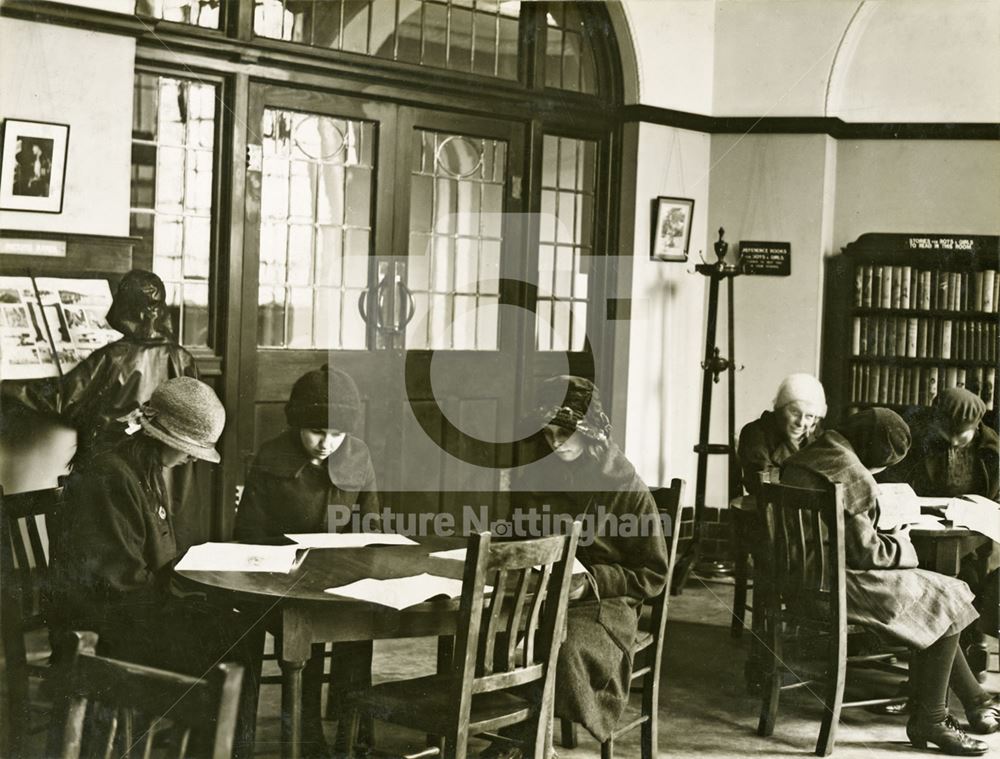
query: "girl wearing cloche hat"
111, 560
295, 482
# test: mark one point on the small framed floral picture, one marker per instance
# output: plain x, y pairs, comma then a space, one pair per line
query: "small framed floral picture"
671, 228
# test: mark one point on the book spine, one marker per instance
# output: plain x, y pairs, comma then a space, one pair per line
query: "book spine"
944, 280
866, 383
883, 384
988, 283
859, 279
925, 290
945, 338
961, 375
965, 291
904, 287
950, 377
866, 286
911, 337
885, 291
897, 285
921, 338
856, 336
996, 292
873, 387
932, 380
890, 336
977, 278
980, 342
974, 379
900, 336
989, 384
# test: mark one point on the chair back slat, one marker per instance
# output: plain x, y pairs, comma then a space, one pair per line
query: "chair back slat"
483, 618
806, 535
118, 691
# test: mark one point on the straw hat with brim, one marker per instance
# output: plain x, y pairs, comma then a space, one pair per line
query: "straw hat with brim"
186, 415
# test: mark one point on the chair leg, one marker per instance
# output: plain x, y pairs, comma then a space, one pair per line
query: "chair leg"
740, 580
649, 730
833, 696
608, 749
348, 727
771, 691
568, 733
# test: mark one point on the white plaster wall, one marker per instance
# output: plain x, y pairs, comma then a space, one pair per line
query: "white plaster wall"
84, 79
674, 43
916, 186
920, 60
668, 307
773, 188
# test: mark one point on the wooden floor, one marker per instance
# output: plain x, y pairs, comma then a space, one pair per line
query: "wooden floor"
704, 710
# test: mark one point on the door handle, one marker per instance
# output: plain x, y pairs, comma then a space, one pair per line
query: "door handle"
409, 310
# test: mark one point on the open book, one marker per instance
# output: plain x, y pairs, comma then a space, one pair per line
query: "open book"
239, 557
400, 592
349, 539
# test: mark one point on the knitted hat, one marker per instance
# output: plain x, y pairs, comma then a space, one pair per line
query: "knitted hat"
574, 404
879, 436
324, 399
803, 388
139, 308
185, 414
960, 407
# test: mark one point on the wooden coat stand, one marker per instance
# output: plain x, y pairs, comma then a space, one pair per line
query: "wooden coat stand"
712, 366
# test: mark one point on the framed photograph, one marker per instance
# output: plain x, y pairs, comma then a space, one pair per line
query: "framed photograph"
671, 228
33, 166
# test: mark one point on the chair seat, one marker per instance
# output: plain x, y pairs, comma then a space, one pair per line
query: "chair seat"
422, 703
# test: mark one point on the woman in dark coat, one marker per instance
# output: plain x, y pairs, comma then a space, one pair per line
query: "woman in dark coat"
586, 474
887, 593
111, 566
953, 454
118, 377
766, 442
312, 478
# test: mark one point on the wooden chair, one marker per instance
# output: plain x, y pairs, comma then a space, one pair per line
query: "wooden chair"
806, 605
647, 651
106, 698
25, 521
506, 645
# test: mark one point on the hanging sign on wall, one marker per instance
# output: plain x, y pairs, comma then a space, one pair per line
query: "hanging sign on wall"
768, 259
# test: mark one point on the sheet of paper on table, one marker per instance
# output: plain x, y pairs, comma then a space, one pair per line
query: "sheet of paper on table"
349, 539
240, 557
400, 592
977, 513
927, 522
458, 554
897, 504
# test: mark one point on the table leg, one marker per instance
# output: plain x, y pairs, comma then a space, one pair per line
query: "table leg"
947, 556
291, 707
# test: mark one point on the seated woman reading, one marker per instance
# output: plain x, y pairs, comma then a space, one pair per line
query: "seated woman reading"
766, 442
578, 470
954, 453
111, 565
315, 465
887, 593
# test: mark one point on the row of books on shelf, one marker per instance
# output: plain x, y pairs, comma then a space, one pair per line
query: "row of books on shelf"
50, 324
924, 337
917, 385
885, 286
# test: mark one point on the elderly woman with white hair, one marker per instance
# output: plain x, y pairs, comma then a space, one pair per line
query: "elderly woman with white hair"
766, 442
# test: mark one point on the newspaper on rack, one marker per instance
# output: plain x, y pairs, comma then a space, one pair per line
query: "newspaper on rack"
76, 313
25, 350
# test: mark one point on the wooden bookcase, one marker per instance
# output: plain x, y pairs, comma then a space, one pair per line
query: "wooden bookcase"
908, 315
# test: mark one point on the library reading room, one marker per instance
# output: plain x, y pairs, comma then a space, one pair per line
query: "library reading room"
499, 379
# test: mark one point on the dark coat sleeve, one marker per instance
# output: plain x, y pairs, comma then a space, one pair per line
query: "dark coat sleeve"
109, 537
754, 455
864, 545
60, 396
368, 495
631, 566
251, 517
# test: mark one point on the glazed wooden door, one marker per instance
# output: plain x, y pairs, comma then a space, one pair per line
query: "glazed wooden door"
384, 240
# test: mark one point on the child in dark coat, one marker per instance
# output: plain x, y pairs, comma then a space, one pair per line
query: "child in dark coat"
297, 483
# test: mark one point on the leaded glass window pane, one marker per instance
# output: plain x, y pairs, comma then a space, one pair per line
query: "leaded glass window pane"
173, 139
473, 36
569, 58
566, 239
315, 231
196, 12
453, 267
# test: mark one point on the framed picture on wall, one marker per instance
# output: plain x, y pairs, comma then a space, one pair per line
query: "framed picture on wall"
33, 166
671, 228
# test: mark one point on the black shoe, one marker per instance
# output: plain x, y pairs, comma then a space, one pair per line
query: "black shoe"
946, 735
985, 719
